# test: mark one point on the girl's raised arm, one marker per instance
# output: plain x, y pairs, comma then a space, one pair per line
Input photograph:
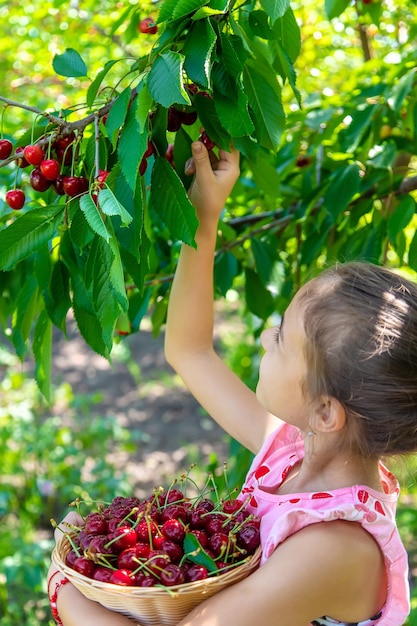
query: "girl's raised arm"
189, 331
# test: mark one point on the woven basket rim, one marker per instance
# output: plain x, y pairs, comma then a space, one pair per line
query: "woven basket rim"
237, 572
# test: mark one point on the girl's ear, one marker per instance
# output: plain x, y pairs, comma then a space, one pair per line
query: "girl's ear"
330, 415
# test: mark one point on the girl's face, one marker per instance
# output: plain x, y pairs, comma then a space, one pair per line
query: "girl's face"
283, 369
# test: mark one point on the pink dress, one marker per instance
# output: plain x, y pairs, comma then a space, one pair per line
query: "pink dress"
283, 515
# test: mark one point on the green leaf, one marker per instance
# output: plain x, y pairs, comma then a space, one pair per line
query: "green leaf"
169, 199
344, 185
165, 80
225, 269
334, 8
184, 7
353, 136
93, 216
275, 8
95, 85
111, 206
57, 297
283, 65
233, 55
258, 299
195, 553
288, 34
209, 118
234, 114
99, 271
23, 314
166, 10
117, 115
69, 64
412, 253
197, 50
143, 103
116, 276
130, 237
27, 234
132, 145
264, 95
80, 231
265, 257
42, 351
259, 25
400, 91
401, 217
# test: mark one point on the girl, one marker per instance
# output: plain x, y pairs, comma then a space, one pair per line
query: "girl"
337, 391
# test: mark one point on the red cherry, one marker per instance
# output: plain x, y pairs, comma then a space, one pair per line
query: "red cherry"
173, 550
157, 561
58, 185
175, 511
21, 162
101, 178
149, 150
249, 538
147, 25
15, 198
144, 581
65, 140
303, 161
220, 543
169, 154
64, 155
95, 524
232, 506
172, 575
98, 544
121, 577
70, 558
50, 169
124, 537
6, 148
84, 566
128, 559
71, 186
38, 181
83, 184
196, 572
143, 166
201, 536
173, 529
146, 530
174, 119
102, 574
205, 139
33, 154
189, 117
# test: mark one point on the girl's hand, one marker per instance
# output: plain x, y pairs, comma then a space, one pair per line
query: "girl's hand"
214, 179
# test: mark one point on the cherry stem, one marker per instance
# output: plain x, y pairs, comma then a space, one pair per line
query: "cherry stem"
97, 143
3, 111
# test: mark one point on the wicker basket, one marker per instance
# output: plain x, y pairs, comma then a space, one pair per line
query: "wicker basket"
152, 606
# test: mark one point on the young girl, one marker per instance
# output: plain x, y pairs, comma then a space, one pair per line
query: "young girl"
337, 391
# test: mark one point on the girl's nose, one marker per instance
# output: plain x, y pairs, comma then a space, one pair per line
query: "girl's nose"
267, 337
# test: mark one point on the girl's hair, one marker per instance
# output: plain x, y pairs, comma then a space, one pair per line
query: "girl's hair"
361, 326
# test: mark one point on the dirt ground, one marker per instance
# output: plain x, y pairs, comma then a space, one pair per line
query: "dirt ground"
144, 394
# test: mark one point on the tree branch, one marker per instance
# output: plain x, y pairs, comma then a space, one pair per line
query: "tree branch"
52, 118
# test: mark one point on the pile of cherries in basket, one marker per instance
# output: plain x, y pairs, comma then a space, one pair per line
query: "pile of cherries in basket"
164, 540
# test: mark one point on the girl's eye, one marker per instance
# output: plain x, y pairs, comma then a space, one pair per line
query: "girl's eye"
277, 332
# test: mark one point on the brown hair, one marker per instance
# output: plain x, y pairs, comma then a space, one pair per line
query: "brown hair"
361, 326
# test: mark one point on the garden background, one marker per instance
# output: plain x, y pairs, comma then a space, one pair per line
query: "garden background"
320, 97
